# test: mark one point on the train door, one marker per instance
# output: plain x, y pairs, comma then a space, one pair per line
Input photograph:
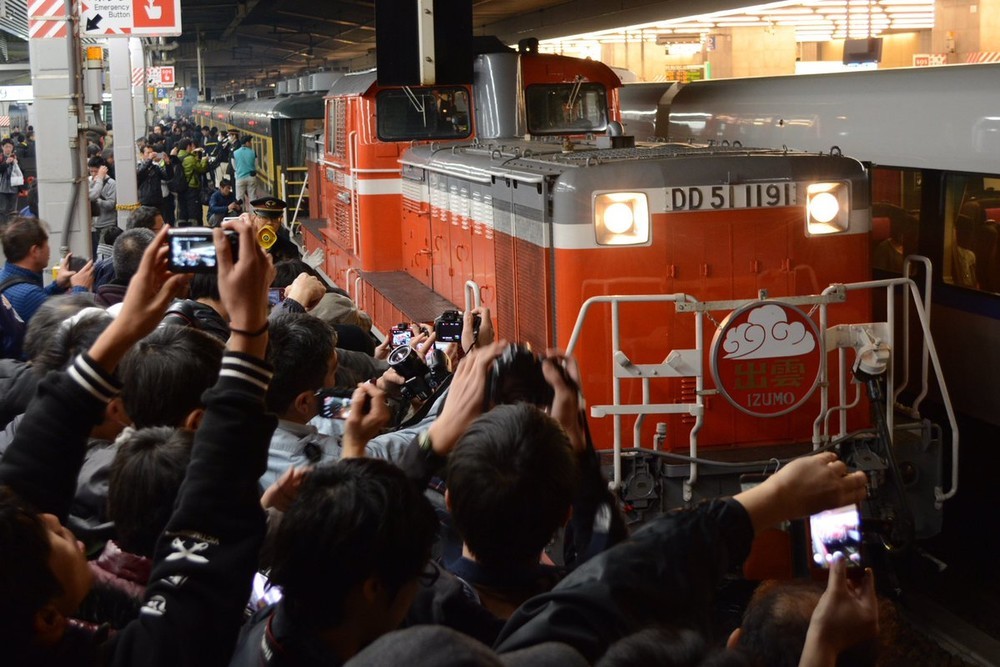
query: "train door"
483, 258
440, 231
461, 238
416, 225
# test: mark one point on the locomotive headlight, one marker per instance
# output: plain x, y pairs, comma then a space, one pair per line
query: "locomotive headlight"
621, 218
828, 207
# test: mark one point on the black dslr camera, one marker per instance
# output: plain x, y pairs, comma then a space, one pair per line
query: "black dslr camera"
448, 326
420, 378
517, 377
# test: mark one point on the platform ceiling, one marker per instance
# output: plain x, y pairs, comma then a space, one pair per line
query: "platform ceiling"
251, 42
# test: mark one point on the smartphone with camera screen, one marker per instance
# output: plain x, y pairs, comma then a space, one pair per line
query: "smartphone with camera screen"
192, 250
836, 531
275, 295
401, 334
335, 403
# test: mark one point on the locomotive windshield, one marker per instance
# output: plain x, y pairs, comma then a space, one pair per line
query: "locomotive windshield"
570, 108
406, 114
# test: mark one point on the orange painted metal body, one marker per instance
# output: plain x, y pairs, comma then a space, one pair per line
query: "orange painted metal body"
713, 257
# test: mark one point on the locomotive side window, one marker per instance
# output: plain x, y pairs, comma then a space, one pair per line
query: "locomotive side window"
571, 108
406, 114
972, 222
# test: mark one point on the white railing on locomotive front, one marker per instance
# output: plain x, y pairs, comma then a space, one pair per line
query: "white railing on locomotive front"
690, 363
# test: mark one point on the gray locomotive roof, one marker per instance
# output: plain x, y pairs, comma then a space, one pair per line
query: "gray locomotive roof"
532, 161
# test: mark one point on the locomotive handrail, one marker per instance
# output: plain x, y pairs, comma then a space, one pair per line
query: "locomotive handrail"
890, 284
914, 410
616, 410
473, 290
347, 283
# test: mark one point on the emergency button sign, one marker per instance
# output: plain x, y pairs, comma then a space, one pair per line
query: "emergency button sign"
111, 18
766, 358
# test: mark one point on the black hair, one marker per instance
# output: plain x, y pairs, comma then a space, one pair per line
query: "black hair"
126, 255
146, 476
299, 348
164, 375
26, 580
50, 315
666, 647
110, 234
144, 216
184, 143
6, 140
70, 339
97, 161
352, 520
20, 235
204, 285
511, 480
774, 626
287, 270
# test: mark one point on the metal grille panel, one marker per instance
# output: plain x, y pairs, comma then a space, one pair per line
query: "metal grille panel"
505, 270
338, 139
532, 282
341, 226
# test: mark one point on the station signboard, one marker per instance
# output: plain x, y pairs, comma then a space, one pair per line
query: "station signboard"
160, 76
150, 18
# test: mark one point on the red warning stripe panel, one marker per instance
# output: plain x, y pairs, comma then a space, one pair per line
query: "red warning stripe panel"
983, 57
47, 19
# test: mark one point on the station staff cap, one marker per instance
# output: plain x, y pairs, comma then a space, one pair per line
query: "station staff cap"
268, 207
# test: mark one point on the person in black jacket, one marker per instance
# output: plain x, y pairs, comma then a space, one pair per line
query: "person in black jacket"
206, 557
665, 575
150, 176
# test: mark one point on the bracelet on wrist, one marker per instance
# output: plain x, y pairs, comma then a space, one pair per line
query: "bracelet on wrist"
250, 334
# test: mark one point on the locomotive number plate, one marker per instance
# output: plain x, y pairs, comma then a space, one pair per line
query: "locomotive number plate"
724, 197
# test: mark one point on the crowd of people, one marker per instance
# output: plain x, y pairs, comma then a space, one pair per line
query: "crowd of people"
182, 168
173, 489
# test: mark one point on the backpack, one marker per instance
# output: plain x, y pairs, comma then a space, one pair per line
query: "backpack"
178, 181
12, 327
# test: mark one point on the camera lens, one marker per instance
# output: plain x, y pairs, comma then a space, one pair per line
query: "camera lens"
407, 363
517, 377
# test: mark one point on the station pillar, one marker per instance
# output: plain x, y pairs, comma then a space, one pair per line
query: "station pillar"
56, 75
123, 113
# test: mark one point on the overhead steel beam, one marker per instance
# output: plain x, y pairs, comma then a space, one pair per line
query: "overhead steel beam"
322, 19
243, 10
